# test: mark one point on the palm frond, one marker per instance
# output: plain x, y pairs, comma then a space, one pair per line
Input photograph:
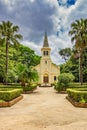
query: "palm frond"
18, 36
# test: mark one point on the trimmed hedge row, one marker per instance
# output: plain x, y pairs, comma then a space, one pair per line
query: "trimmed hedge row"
81, 89
77, 85
10, 94
77, 95
29, 88
2, 101
6, 89
10, 86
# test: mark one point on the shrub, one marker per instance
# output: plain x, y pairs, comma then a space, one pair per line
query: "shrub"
2, 101
5, 89
77, 85
29, 88
63, 81
10, 94
10, 86
82, 100
77, 95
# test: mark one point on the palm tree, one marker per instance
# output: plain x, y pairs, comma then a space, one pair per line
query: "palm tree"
27, 75
9, 36
79, 36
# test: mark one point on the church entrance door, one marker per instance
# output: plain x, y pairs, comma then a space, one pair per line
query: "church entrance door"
46, 79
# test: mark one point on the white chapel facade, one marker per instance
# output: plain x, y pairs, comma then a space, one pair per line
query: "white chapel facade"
47, 71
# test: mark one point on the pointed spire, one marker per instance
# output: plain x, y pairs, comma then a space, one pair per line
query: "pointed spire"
45, 41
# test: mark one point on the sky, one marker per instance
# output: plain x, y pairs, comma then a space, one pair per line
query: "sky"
35, 17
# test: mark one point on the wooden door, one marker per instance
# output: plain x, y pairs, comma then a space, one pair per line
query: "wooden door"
46, 79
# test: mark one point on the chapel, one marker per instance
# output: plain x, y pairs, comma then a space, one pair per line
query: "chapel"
47, 70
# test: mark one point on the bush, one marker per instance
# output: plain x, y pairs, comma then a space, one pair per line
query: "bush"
10, 86
10, 94
5, 89
63, 81
77, 85
77, 95
29, 88
1, 101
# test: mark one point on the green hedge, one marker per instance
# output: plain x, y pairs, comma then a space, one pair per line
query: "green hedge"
10, 86
29, 88
81, 89
2, 101
10, 94
26, 88
77, 94
6, 89
77, 85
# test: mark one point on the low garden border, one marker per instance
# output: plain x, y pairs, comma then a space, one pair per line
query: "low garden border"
77, 97
30, 89
76, 104
12, 102
27, 92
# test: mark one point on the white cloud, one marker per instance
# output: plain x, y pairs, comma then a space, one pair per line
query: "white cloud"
57, 43
32, 0
63, 40
79, 11
33, 46
61, 19
9, 4
52, 2
63, 2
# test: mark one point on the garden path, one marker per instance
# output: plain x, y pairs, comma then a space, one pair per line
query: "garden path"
44, 109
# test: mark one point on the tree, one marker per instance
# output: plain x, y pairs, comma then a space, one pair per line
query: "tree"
19, 60
79, 36
72, 66
65, 53
85, 65
28, 56
26, 75
22, 73
9, 36
2, 63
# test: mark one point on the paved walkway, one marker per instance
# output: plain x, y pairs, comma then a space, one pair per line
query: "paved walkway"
44, 109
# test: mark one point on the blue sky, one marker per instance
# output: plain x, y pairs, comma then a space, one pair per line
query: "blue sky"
66, 3
34, 17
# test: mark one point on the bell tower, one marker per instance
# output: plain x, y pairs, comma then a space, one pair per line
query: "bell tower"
45, 61
45, 50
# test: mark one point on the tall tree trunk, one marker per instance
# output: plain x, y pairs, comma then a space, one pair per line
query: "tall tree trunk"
6, 61
81, 69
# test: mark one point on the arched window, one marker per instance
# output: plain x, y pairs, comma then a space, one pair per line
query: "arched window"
45, 53
54, 78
